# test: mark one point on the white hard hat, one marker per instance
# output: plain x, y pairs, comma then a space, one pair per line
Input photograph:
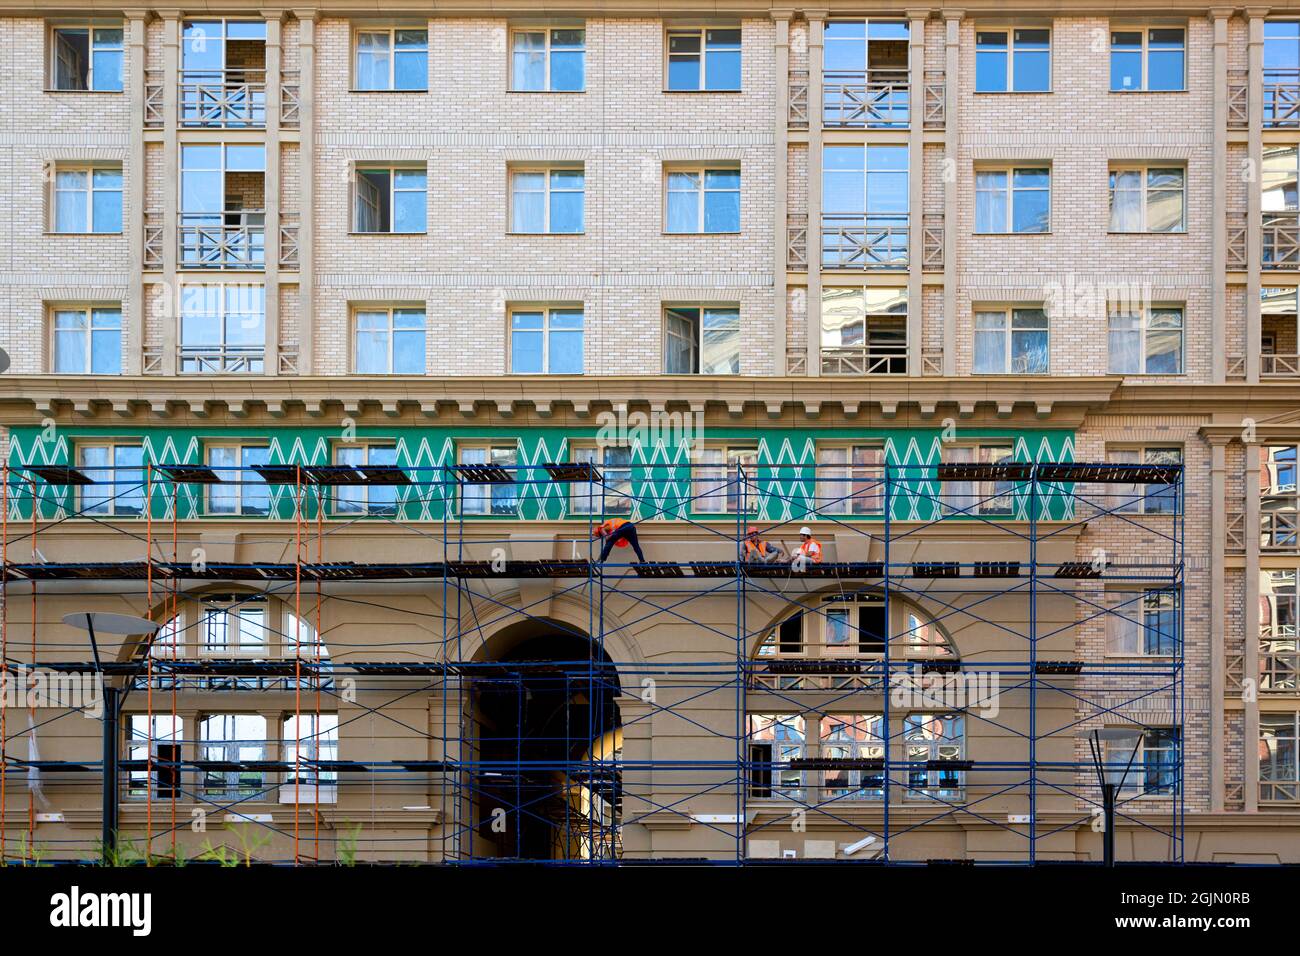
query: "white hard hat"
806, 530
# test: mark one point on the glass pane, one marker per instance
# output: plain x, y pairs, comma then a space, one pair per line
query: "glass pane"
990, 62
106, 211
411, 70
722, 69
1165, 210
409, 211
106, 352
529, 61
106, 70
566, 212
683, 211
408, 352
567, 69
722, 212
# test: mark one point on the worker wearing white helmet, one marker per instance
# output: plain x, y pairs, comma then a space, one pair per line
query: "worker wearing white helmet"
809, 549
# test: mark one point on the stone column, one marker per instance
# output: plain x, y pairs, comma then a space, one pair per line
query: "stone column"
271, 199
134, 182
306, 191
1254, 216
1250, 624
1219, 214
816, 60
1218, 547
915, 184
951, 76
780, 205
171, 190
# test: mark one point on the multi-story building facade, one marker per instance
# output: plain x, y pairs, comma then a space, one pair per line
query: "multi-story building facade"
838, 248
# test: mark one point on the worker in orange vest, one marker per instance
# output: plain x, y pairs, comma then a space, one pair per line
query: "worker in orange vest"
617, 532
809, 548
758, 551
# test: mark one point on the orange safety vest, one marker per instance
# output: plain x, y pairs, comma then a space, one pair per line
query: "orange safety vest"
609, 527
752, 544
811, 550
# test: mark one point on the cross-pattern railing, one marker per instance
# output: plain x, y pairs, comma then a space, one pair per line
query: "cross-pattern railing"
153, 98
936, 100
932, 241
289, 251
1279, 521
1235, 531
288, 359
878, 101
864, 360
1282, 99
224, 98
153, 240
1237, 226
1238, 100
796, 361
798, 118
931, 361
864, 241
1236, 366
207, 359
1281, 240
796, 238
290, 98
1279, 366
1275, 791
208, 243
152, 360
1234, 670
1279, 666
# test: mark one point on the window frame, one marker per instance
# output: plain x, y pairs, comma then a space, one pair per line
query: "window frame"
912, 738
247, 354
981, 499
245, 786
1139, 769
781, 751
390, 333
90, 169
392, 169
725, 488
113, 498
1268, 759
484, 491
245, 478
547, 170
1144, 53
1128, 618
701, 194
1145, 169
702, 32
90, 26
1131, 499
1009, 193
148, 784
547, 310
233, 608
1009, 33
871, 474
391, 32
584, 497
698, 347
871, 742
88, 311
548, 49
1008, 330
1144, 331
358, 497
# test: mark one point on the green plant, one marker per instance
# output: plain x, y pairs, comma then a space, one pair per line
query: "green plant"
347, 846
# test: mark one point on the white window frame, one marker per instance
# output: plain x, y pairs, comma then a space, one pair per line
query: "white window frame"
90, 26
246, 355
1144, 207
781, 752
114, 495
316, 737
393, 189
586, 497
703, 34
1145, 30
477, 500
715, 486
353, 501
89, 314
548, 48
1007, 330
1144, 331
970, 499
1280, 785
937, 748
233, 784
701, 193
145, 735
1009, 194
89, 193
836, 480
1119, 753
390, 333
698, 347
245, 478
868, 740
228, 616
1127, 498
547, 191
391, 33
547, 312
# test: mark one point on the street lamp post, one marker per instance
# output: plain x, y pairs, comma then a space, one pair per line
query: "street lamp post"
1111, 776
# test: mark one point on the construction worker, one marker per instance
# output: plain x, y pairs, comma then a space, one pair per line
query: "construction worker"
809, 549
758, 551
617, 532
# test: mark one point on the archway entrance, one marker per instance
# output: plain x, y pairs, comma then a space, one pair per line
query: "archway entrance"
548, 739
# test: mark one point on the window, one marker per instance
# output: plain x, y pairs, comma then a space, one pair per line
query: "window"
234, 624
864, 331
548, 60
223, 73
701, 340
169, 640
703, 200
1279, 771
614, 462
865, 207
242, 490
158, 737
546, 340
87, 340
223, 217
983, 497
1011, 341
395, 59
865, 73
1147, 59
1147, 199
1026, 67
1278, 504
1279, 610
547, 201
232, 738
1013, 200
931, 738
1147, 341
774, 741
1143, 623
366, 499
1151, 499
854, 628
707, 59
1278, 179
850, 479
1153, 767
390, 199
86, 58
309, 737
718, 485
389, 341
88, 199
117, 470
301, 638
1281, 72
853, 737
498, 497
223, 328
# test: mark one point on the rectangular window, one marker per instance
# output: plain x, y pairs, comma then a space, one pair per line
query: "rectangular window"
775, 741
865, 207
865, 74
1143, 623
1279, 771
365, 499
1148, 199
118, 473
706, 59
242, 490
158, 738
1013, 200
389, 341
88, 199
548, 60
701, 340
546, 340
931, 739
1278, 504
86, 58
498, 497
1278, 179
233, 738
87, 340
1151, 769
1147, 59
547, 201
309, 737
982, 497
223, 328
612, 495
850, 479
864, 331
1151, 499
719, 485
390, 199
394, 59
1011, 341
853, 737
234, 625
703, 200
1023, 67
1147, 341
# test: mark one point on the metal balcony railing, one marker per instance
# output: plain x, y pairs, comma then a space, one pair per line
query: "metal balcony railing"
209, 359
1281, 240
864, 241
208, 243
864, 360
230, 99
878, 100
1282, 99
290, 98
